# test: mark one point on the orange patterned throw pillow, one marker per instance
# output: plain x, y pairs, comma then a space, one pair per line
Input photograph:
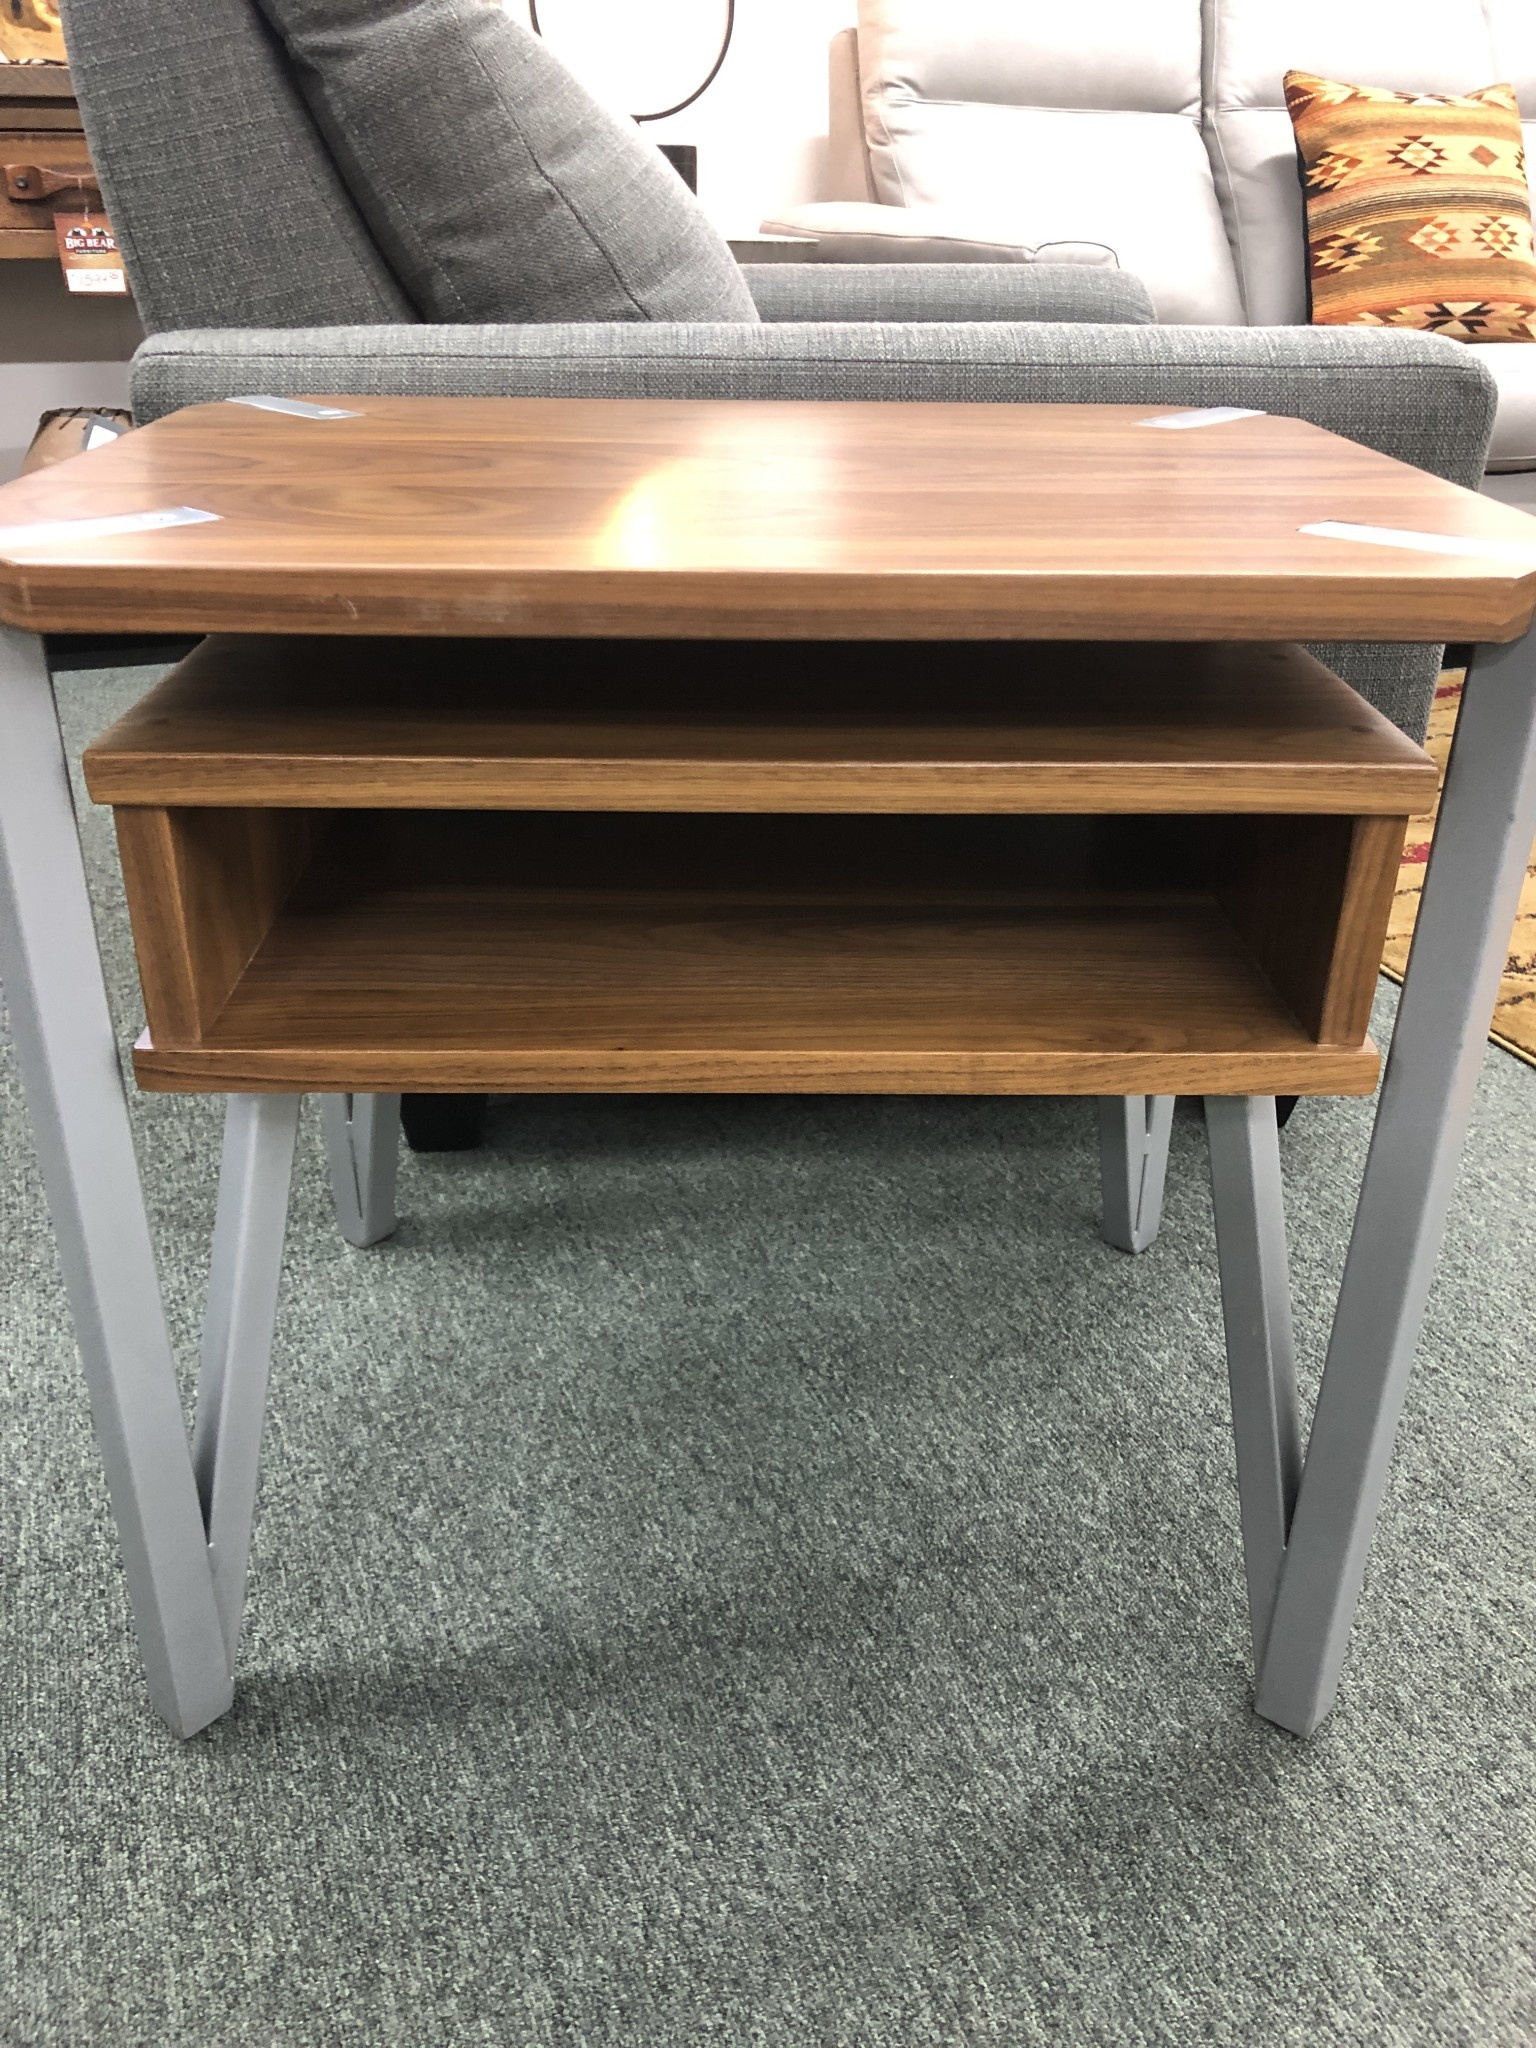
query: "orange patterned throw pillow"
1418, 210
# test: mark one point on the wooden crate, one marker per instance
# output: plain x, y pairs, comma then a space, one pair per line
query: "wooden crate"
40, 129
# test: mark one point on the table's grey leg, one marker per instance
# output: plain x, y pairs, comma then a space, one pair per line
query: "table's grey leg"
247, 1264
362, 1142
1471, 893
1244, 1143
1133, 1160
68, 1056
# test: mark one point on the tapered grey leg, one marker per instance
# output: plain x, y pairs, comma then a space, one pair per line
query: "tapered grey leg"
1261, 1352
362, 1141
68, 1056
1471, 891
1133, 1158
247, 1263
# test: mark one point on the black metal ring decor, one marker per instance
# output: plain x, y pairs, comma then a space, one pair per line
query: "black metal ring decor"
665, 113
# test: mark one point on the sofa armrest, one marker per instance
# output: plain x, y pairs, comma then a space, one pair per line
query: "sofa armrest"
861, 231
1419, 397
948, 291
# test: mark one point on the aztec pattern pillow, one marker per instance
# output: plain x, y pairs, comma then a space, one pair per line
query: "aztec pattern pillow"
1418, 210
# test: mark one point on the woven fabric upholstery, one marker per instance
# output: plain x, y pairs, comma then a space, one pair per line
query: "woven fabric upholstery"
498, 187
1417, 207
948, 291
224, 201
1421, 399
1426, 401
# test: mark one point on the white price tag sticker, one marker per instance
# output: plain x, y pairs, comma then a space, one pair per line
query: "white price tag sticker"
299, 408
1521, 553
113, 282
1204, 416
101, 529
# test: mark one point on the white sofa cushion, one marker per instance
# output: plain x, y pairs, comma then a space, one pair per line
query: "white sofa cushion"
1074, 126
1404, 45
1513, 365
1513, 27
853, 231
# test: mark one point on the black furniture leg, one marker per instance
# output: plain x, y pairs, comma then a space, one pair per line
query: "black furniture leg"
443, 1123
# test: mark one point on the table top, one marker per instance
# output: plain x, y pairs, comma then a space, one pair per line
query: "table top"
601, 518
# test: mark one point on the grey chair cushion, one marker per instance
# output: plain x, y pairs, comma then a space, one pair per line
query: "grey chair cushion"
226, 206
496, 185
948, 291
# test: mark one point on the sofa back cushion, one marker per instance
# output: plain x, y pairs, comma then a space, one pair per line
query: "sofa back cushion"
1437, 46
498, 187
226, 205
1037, 124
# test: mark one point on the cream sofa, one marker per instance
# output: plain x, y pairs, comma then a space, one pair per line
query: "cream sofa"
986, 129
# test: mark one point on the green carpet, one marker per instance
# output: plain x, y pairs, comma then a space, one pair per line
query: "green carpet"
762, 1572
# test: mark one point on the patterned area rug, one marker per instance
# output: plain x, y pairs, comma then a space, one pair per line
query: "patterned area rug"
1514, 1017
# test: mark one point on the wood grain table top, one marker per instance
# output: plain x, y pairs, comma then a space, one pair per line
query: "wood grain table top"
593, 518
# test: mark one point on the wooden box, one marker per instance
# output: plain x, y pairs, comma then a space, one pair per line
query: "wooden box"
554, 865
41, 131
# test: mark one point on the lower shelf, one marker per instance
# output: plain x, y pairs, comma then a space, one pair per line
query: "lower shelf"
443, 984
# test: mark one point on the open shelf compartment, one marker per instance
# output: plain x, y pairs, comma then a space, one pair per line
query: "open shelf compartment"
529, 866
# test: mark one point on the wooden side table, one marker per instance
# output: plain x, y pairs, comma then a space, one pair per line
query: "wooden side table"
764, 757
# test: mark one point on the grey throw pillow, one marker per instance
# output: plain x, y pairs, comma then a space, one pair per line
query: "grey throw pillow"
494, 182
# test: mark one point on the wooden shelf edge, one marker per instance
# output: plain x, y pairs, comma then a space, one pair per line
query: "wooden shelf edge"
955, 788
28, 245
1081, 729
346, 601
1310, 1070
42, 79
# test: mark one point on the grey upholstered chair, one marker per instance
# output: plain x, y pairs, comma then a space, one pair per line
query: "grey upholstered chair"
257, 251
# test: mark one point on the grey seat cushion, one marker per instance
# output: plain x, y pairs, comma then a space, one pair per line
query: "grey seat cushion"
496, 185
875, 292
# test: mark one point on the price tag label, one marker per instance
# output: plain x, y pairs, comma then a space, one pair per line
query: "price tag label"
43, 532
1522, 553
88, 251
299, 408
1205, 416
